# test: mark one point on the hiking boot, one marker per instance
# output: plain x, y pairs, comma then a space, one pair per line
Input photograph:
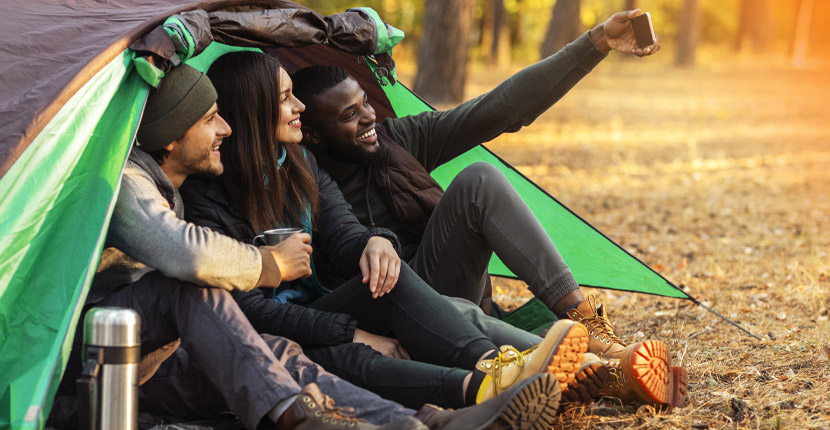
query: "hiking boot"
313, 410
593, 376
528, 405
603, 342
560, 353
644, 374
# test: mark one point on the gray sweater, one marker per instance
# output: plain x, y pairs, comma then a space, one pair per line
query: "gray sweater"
147, 232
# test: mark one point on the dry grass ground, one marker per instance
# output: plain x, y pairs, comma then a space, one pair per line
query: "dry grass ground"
719, 180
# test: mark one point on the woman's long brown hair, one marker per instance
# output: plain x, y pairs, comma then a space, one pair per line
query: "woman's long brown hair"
249, 96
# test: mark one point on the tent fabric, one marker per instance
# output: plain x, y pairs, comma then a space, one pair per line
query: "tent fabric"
48, 50
55, 206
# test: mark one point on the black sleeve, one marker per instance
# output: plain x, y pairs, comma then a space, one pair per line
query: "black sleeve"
436, 137
340, 236
306, 326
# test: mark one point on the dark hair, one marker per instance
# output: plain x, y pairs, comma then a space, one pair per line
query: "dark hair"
248, 85
159, 155
309, 82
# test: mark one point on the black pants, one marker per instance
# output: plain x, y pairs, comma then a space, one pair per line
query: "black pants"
481, 213
443, 344
228, 365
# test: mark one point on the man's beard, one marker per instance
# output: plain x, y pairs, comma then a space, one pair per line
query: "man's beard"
354, 154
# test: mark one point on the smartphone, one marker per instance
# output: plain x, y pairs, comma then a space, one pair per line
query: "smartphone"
644, 31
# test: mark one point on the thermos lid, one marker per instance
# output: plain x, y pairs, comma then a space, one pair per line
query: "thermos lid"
108, 326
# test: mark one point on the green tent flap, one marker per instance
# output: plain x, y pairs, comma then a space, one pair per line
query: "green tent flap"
594, 259
54, 213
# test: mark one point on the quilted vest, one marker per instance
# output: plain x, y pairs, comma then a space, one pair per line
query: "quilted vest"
408, 189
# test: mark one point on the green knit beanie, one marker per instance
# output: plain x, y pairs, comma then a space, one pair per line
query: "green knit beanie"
185, 94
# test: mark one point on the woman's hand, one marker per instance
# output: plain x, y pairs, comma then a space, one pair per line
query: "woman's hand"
380, 266
293, 257
385, 345
617, 33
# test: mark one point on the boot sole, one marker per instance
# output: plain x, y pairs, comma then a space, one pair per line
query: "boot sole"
590, 379
533, 407
566, 357
656, 380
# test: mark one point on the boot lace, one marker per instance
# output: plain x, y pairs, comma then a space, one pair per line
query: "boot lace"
337, 415
618, 379
598, 324
507, 355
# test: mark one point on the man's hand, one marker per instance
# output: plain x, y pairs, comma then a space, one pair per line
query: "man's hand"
617, 33
385, 345
380, 266
293, 257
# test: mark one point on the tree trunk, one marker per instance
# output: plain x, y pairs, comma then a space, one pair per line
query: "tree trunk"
688, 34
802, 32
564, 27
516, 36
442, 52
487, 28
755, 29
492, 24
631, 4
499, 17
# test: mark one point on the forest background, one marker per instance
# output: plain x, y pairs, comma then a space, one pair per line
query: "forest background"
708, 161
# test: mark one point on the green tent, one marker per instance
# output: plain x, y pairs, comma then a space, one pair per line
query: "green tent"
71, 95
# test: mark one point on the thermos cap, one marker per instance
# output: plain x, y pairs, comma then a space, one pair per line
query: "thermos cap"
108, 326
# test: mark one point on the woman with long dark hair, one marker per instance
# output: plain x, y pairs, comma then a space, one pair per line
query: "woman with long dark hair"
270, 182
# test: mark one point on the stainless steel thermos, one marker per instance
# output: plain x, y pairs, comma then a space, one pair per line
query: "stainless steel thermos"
108, 387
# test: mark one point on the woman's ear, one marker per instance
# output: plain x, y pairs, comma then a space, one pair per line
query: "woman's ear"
310, 135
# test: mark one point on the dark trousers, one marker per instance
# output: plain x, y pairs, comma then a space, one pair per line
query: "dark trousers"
430, 328
228, 366
413, 383
444, 346
481, 213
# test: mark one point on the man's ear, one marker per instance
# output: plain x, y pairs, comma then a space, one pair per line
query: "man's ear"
169, 147
310, 135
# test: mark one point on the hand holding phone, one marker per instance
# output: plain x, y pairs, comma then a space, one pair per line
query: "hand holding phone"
644, 30
629, 32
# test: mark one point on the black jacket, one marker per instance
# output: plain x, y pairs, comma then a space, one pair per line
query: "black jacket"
338, 237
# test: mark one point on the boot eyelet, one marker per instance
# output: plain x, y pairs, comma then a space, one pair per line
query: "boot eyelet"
316, 413
311, 405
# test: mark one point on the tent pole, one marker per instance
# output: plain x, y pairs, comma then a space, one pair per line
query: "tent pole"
697, 302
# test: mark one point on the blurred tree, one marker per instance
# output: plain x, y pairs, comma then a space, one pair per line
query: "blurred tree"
442, 52
801, 38
492, 24
688, 34
631, 4
756, 27
516, 35
565, 26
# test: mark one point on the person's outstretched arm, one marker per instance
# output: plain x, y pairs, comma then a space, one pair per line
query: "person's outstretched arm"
437, 137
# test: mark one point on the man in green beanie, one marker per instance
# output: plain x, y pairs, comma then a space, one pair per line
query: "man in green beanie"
200, 355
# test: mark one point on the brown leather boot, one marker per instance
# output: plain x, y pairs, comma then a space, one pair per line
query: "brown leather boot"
560, 353
313, 410
641, 372
528, 405
644, 374
602, 342
592, 377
